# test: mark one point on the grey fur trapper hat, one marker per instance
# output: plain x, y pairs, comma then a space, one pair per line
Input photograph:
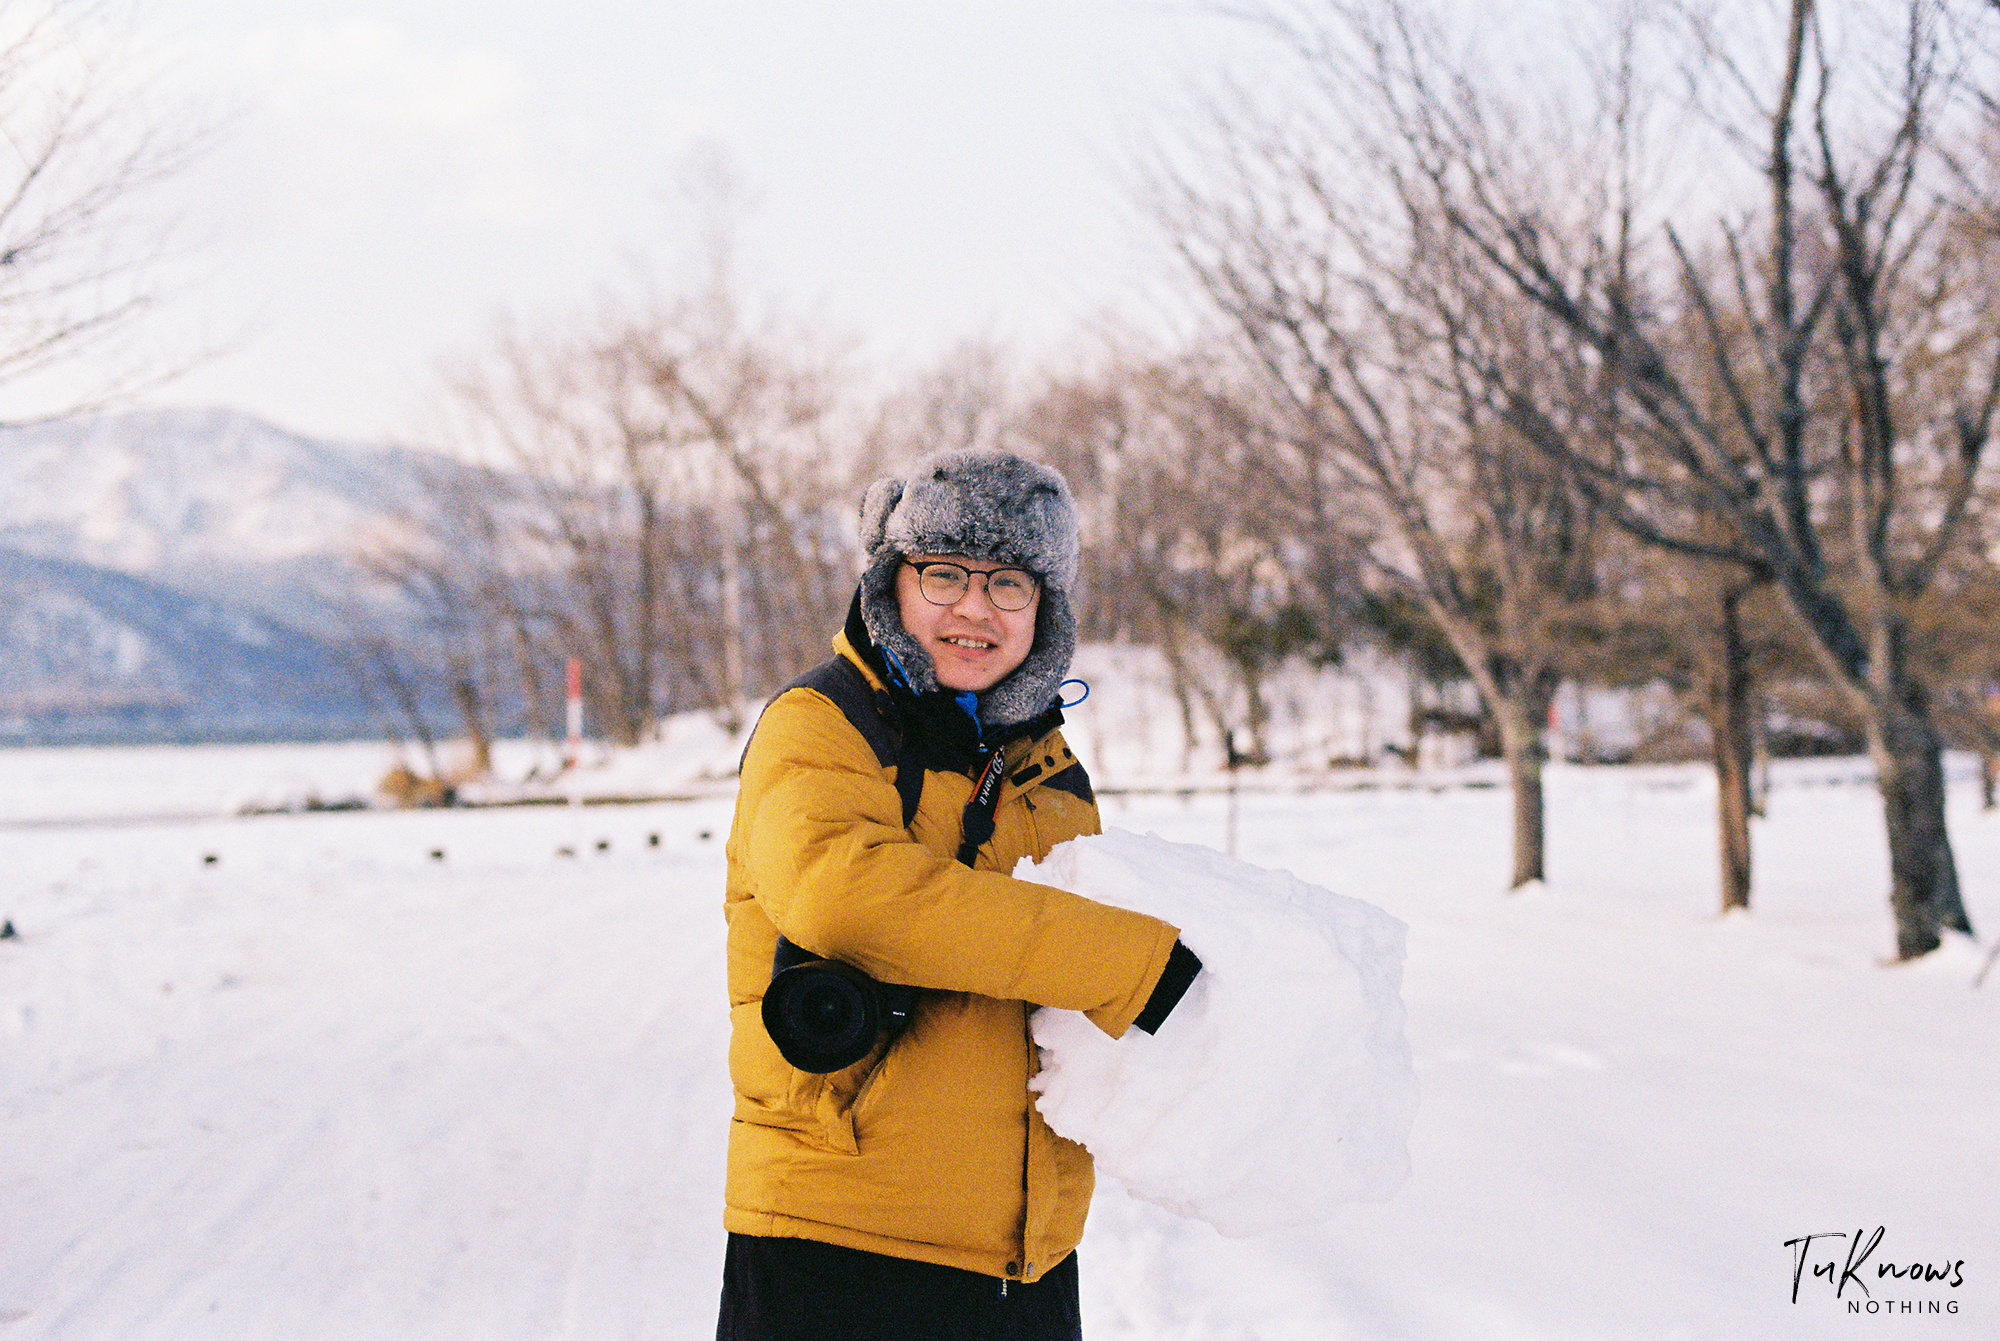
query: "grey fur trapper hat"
985, 505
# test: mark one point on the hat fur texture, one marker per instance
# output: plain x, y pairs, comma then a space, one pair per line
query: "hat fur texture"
980, 504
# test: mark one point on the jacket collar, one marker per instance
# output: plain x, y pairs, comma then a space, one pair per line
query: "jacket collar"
947, 736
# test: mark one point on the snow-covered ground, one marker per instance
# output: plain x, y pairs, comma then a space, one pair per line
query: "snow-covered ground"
415, 1075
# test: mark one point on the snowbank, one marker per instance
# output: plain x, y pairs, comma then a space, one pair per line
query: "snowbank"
1281, 1085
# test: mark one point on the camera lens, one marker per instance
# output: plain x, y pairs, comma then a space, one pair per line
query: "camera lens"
826, 1010
822, 1015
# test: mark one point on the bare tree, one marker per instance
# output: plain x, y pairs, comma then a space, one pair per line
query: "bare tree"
1834, 316
1707, 631
968, 397
1191, 542
1373, 336
657, 505
454, 623
742, 410
86, 143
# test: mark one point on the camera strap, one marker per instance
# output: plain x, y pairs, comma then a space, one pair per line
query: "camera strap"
979, 811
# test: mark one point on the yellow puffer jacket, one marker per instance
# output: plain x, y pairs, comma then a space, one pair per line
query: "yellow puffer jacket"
930, 1148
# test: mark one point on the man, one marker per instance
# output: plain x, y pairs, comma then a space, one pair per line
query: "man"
885, 798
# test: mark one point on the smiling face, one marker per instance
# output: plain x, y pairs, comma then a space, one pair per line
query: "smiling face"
974, 645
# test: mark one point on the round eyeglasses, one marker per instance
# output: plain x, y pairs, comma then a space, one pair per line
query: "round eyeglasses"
946, 584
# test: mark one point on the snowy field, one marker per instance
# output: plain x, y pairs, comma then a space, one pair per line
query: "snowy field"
315, 1077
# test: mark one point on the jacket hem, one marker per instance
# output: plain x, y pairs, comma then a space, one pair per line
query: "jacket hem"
772, 1225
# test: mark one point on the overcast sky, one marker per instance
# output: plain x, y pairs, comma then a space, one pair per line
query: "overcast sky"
393, 174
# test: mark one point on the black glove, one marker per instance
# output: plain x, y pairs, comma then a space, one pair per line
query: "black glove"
1174, 981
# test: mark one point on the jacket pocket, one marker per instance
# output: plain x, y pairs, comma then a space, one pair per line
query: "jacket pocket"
770, 1092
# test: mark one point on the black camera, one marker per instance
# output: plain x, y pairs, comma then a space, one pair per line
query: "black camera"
825, 1015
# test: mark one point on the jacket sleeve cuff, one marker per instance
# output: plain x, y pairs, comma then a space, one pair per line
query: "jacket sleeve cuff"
1175, 979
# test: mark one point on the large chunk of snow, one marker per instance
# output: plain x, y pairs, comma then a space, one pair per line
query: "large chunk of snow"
1280, 1085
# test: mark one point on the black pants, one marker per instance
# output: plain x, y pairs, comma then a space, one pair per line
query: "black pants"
799, 1290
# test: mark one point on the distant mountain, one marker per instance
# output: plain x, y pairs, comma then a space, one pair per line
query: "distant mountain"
214, 501
178, 574
89, 654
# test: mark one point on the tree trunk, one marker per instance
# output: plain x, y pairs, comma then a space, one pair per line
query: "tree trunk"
528, 662
1733, 819
1178, 676
1520, 720
646, 619
732, 610
1923, 892
1760, 760
472, 715
409, 698
1257, 711
1729, 722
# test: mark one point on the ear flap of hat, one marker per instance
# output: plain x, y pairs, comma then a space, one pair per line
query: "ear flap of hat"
876, 505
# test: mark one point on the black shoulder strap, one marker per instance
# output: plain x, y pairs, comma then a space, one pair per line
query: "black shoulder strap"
909, 780
867, 711
862, 705
977, 825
